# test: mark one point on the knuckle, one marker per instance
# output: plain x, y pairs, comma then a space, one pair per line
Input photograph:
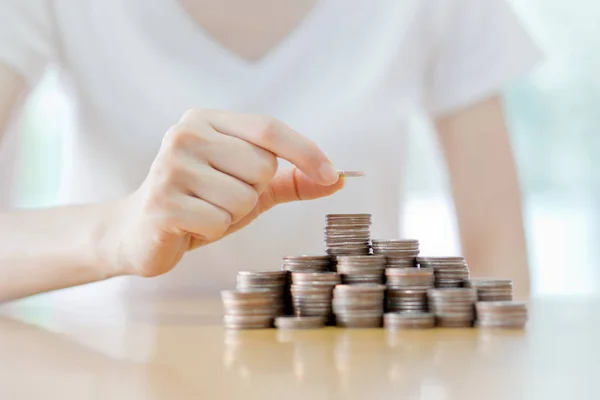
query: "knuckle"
265, 128
267, 168
176, 138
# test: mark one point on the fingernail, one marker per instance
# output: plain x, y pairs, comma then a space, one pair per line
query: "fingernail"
328, 173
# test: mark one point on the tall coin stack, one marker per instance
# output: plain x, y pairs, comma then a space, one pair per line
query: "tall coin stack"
361, 269
359, 305
449, 272
501, 314
400, 253
272, 281
491, 289
248, 308
407, 288
348, 234
312, 293
453, 307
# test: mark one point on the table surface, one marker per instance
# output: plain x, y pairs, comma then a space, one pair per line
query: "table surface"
175, 348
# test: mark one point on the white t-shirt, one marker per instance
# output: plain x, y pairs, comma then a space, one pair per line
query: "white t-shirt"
346, 77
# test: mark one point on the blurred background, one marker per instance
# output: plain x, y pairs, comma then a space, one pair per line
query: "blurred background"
554, 115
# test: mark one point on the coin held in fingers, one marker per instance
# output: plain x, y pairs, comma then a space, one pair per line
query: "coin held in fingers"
351, 174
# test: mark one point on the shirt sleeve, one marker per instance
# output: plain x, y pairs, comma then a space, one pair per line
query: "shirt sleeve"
27, 37
478, 46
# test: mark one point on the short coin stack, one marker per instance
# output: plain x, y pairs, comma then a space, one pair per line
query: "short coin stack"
292, 322
306, 263
272, 281
312, 293
408, 320
491, 289
361, 269
449, 272
398, 252
248, 308
501, 314
359, 305
407, 288
348, 234
453, 307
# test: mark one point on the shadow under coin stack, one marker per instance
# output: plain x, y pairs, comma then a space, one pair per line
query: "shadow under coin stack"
359, 305
501, 314
449, 272
491, 289
361, 269
399, 253
407, 288
453, 307
272, 281
248, 308
348, 234
312, 293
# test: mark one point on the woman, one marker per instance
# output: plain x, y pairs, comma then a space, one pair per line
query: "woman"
146, 181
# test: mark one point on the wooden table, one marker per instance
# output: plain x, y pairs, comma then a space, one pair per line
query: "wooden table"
176, 349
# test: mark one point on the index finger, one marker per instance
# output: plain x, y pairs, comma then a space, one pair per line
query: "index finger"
274, 136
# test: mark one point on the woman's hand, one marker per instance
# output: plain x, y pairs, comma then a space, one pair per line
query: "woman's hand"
215, 173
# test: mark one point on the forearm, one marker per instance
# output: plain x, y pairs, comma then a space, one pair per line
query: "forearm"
44, 250
486, 193
491, 229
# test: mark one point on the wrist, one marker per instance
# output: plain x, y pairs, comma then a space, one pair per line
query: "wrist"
109, 239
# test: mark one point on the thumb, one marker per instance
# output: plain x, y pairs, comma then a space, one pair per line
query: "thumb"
288, 185
294, 185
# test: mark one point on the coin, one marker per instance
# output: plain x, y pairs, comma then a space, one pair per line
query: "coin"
273, 281
351, 174
294, 322
347, 234
449, 272
501, 314
453, 307
408, 320
248, 308
358, 306
490, 289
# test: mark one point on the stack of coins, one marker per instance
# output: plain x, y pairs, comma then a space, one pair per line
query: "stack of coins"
453, 307
501, 314
491, 289
400, 253
306, 263
248, 308
273, 281
312, 293
358, 306
291, 322
361, 269
348, 234
449, 272
408, 320
407, 288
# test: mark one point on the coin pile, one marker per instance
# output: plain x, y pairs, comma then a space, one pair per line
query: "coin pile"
272, 281
306, 263
453, 307
449, 272
312, 293
294, 322
491, 289
399, 253
501, 314
348, 234
248, 308
407, 288
358, 305
408, 320
361, 269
